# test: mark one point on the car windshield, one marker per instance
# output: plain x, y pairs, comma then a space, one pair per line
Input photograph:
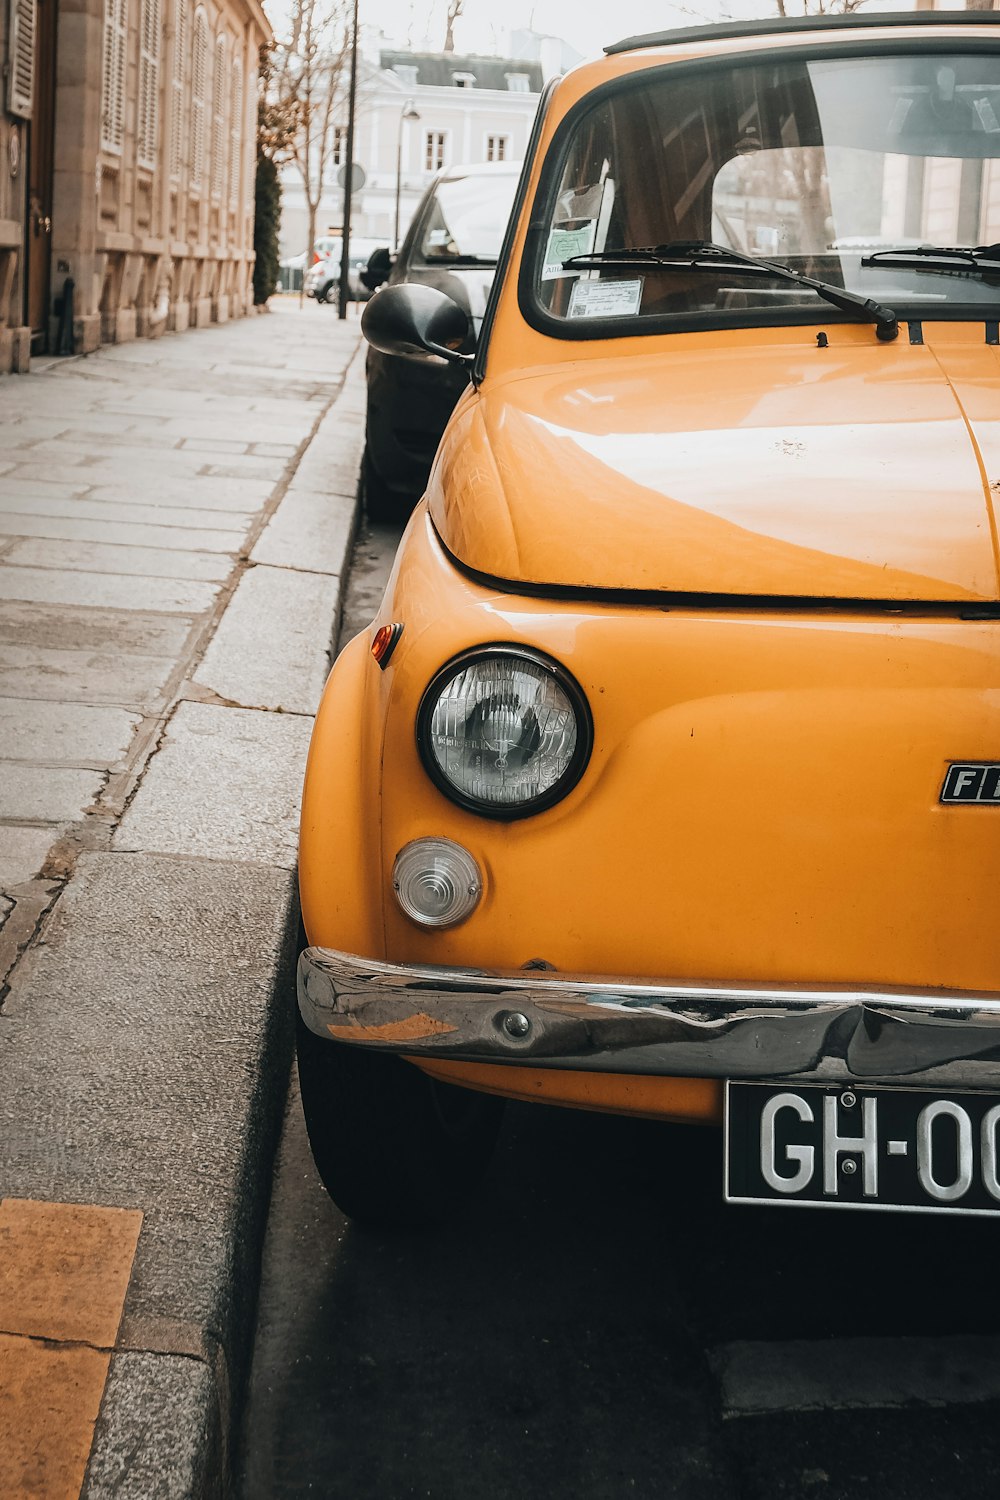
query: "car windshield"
819, 165
467, 219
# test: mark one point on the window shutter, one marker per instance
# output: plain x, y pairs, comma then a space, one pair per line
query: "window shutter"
218, 161
236, 135
113, 75
199, 65
21, 77
149, 83
177, 89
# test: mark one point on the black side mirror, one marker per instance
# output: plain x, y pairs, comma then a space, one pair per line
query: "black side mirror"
415, 320
378, 268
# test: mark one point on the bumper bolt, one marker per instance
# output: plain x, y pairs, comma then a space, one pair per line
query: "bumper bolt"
848, 1100
515, 1023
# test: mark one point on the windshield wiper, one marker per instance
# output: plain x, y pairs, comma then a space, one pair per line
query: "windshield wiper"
703, 255
962, 258
459, 260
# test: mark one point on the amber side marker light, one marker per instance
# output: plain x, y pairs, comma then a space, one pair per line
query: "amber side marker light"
384, 644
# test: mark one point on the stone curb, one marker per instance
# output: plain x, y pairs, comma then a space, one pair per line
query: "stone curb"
149, 1030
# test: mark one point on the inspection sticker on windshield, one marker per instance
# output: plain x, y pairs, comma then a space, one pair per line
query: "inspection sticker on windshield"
563, 245
605, 299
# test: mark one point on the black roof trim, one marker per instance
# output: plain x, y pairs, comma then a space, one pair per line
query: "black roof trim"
778, 26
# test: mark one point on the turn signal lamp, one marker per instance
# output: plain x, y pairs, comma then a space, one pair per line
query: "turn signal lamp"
384, 643
437, 882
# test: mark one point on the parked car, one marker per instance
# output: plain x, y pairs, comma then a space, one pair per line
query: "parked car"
452, 245
323, 277
667, 779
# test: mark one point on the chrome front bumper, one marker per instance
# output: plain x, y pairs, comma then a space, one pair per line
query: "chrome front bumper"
553, 1020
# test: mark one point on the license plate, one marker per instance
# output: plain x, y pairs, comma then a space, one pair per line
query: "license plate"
847, 1147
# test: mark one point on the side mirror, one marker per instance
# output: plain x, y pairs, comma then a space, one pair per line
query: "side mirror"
415, 320
378, 268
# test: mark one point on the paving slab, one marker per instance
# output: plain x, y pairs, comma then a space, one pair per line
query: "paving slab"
71, 734
130, 534
22, 853
271, 649
106, 590
98, 557
43, 794
210, 493
16, 490
81, 676
308, 531
225, 784
90, 629
124, 512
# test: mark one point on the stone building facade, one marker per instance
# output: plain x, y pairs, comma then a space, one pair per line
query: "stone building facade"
127, 155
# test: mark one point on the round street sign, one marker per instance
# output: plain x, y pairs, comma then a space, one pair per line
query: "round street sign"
358, 177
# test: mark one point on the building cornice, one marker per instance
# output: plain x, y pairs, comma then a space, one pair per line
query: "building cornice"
257, 14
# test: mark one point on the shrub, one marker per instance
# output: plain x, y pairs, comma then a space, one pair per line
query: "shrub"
267, 216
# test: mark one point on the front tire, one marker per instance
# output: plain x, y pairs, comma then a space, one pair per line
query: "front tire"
394, 1148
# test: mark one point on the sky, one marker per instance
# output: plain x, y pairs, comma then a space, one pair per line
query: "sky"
586, 24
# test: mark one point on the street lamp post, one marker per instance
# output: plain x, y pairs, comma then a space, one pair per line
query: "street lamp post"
345, 243
406, 113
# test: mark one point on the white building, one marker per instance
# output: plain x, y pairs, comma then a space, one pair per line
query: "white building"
428, 110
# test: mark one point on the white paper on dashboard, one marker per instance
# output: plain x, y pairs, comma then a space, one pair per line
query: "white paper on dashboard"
605, 299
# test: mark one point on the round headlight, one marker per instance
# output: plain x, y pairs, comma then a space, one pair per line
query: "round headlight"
504, 731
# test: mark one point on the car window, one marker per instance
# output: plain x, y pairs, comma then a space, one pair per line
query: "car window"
467, 218
815, 163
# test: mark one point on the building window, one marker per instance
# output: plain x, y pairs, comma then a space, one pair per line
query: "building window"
518, 83
406, 73
498, 148
236, 135
464, 80
177, 89
21, 51
199, 79
434, 142
113, 75
339, 149
149, 83
218, 161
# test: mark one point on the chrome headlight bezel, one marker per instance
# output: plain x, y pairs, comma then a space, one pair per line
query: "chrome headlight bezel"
500, 812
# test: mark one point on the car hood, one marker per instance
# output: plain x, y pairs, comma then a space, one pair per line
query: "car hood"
859, 470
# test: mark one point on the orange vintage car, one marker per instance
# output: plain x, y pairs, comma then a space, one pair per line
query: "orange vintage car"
667, 780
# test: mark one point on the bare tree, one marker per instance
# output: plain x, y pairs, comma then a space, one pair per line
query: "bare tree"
818, 7
455, 9
308, 75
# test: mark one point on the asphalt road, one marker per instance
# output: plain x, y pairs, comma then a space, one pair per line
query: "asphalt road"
598, 1324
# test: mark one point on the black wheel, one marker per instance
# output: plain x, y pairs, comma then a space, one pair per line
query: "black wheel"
327, 293
382, 503
393, 1148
